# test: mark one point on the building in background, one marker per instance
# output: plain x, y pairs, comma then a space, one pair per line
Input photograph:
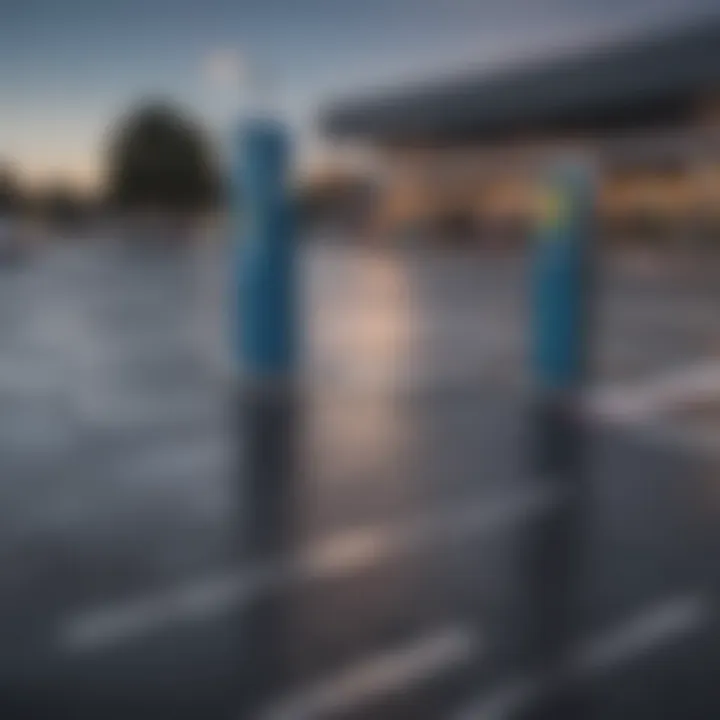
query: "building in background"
461, 153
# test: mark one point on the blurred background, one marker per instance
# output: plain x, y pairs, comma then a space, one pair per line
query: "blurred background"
419, 526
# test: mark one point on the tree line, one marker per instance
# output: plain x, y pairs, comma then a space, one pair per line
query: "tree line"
157, 158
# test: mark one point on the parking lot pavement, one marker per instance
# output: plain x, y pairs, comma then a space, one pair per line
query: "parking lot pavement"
367, 549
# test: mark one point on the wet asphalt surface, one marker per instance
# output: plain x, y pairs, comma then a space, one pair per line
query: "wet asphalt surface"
382, 544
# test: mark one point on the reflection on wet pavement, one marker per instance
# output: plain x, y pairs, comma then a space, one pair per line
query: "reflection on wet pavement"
375, 545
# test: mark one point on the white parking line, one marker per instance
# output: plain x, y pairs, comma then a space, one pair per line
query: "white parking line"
651, 407
658, 625
345, 553
375, 677
503, 702
655, 626
646, 400
192, 601
356, 549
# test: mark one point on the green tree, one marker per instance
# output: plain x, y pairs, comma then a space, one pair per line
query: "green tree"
161, 160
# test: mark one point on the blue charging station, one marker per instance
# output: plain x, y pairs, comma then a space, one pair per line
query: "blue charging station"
266, 307
562, 279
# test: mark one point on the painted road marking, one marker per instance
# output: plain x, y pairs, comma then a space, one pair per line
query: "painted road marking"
656, 626
642, 401
651, 407
380, 675
650, 629
504, 702
189, 602
345, 553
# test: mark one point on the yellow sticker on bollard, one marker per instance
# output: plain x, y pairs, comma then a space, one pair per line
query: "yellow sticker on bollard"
553, 209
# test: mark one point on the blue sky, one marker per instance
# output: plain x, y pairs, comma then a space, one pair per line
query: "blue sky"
68, 68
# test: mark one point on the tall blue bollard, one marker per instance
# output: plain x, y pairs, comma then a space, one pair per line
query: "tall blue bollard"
266, 303
561, 316
562, 281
